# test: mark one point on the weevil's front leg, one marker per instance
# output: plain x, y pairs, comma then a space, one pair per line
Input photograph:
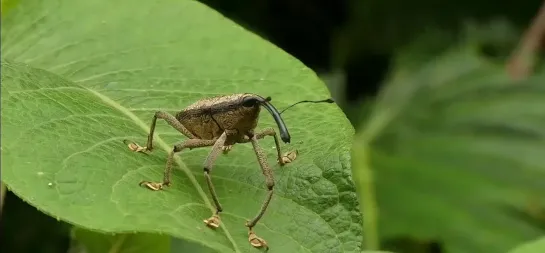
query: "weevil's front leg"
269, 182
213, 221
171, 120
191, 143
282, 159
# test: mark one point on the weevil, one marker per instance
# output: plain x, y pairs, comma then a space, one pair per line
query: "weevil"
221, 122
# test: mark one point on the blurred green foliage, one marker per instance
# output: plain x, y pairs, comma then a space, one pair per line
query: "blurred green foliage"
530, 247
456, 148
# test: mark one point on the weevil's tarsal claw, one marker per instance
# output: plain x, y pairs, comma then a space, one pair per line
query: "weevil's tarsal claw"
289, 157
134, 147
226, 148
257, 241
153, 186
213, 222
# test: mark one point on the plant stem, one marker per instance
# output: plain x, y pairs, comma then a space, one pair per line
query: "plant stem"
521, 63
3, 191
363, 172
119, 240
366, 192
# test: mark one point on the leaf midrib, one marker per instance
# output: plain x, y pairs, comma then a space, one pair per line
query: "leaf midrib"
107, 100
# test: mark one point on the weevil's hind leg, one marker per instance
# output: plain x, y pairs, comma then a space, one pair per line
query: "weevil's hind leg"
269, 181
282, 158
213, 221
191, 143
171, 120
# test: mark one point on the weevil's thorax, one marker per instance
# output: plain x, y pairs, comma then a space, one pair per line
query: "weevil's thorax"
241, 118
208, 118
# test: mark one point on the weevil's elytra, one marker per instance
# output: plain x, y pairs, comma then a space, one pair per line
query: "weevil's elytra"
210, 117
220, 122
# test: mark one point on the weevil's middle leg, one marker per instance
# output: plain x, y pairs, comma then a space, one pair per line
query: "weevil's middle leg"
171, 120
191, 143
269, 181
213, 221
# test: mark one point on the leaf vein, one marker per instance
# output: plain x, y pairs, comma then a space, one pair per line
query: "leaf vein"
38, 126
95, 56
24, 32
184, 92
103, 74
65, 160
46, 89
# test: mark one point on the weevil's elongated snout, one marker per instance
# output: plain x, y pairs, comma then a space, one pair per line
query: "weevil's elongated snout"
284, 134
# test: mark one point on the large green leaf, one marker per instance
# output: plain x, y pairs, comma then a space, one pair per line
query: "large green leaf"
86, 241
94, 242
457, 153
535, 246
78, 77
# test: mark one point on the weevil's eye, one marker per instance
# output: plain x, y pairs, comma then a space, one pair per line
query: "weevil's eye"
249, 102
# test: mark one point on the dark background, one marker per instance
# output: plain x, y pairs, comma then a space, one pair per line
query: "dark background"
351, 39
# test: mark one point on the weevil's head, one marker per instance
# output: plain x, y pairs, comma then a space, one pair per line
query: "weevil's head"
253, 100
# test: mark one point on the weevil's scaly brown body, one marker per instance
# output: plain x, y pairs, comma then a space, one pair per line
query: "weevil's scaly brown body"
208, 118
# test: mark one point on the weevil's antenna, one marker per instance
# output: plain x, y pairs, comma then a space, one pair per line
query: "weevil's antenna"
329, 100
284, 134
